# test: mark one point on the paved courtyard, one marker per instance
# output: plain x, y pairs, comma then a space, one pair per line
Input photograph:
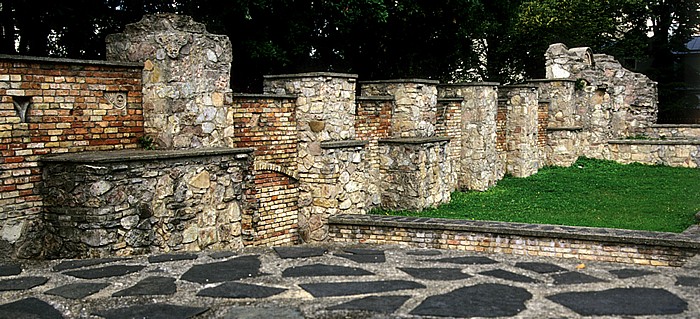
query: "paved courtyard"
344, 282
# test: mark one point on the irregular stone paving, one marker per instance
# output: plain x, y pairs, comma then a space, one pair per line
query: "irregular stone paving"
344, 282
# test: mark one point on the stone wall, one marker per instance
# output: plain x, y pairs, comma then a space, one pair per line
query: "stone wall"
521, 152
582, 243
186, 73
415, 173
477, 165
675, 152
335, 174
50, 106
120, 203
415, 111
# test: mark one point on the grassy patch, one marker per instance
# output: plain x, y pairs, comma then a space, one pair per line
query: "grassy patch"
591, 192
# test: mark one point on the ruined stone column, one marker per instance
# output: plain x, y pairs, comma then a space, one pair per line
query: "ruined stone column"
187, 71
333, 169
522, 156
478, 165
416, 105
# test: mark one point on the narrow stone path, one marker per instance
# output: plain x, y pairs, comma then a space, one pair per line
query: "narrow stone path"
344, 282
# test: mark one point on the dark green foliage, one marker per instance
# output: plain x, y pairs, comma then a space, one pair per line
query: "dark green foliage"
589, 193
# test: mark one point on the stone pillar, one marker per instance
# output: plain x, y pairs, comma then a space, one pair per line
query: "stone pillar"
478, 164
186, 74
522, 158
564, 121
333, 168
416, 105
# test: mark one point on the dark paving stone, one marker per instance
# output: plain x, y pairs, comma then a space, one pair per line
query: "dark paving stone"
222, 254
239, 290
150, 286
154, 311
384, 304
29, 308
104, 272
357, 288
363, 256
171, 257
542, 268
22, 283
483, 300
629, 273
572, 278
317, 270
507, 275
78, 290
688, 281
299, 252
364, 259
263, 313
10, 270
363, 251
74, 264
229, 270
467, 260
622, 302
436, 273
424, 252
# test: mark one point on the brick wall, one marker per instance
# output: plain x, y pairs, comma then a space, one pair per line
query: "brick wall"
501, 119
74, 106
268, 124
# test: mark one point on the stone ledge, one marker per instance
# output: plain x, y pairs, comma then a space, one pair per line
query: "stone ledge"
413, 140
544, 101
449, 99
657, 142
520, 86
471, 84
263, 96
417, 81
311, 75
550, 80
623, 236
675, 126
140, 155
565, 128
343, 144
375, 98
25, 58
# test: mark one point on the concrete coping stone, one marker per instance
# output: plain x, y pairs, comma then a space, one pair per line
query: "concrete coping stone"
565, 128
263, 96
416, 81
544, 101
311, 75
376, 98
519, 86
26, 58
413, 140
675, 125
657, 142
623, 236
550, 80
450, 99
471, 84
141, 155
343, 144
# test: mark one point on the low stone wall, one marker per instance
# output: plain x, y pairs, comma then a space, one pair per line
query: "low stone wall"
583, 243
120, 203
674, 131
678, 153
415, 173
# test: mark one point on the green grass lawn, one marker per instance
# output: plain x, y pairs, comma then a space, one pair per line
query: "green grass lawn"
591, 192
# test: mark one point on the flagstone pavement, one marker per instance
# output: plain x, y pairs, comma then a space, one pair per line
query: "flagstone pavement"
338, 281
